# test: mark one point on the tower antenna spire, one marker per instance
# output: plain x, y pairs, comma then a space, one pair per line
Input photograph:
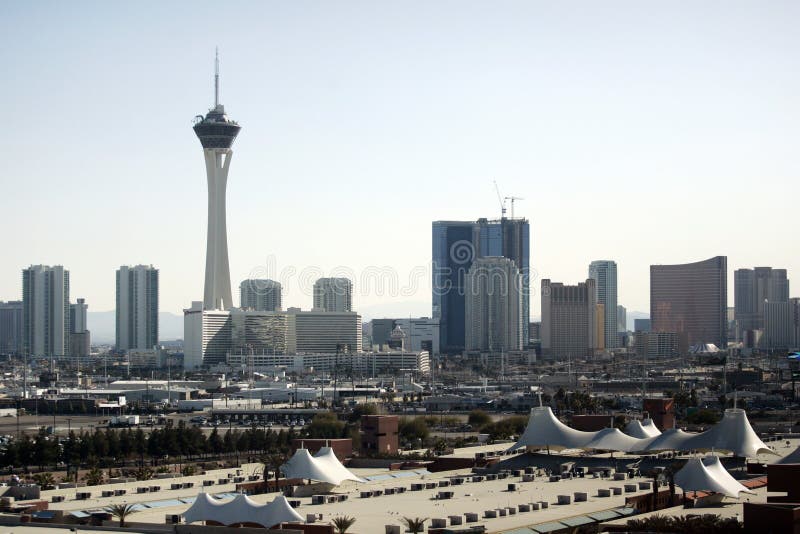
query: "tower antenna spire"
216, 77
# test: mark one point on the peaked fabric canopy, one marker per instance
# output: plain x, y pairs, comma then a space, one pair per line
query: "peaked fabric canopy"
612, 439
323, 468
733, 434
544, 430
791, 458
240, 509
642, 429
708, 474
672, 439
650, 427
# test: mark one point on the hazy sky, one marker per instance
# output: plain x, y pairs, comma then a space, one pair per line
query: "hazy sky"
637, 131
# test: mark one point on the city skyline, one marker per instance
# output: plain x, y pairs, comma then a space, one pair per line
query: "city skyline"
306, 101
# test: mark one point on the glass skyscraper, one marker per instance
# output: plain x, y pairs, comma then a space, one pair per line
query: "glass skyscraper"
691, 300
456, 244
604, 273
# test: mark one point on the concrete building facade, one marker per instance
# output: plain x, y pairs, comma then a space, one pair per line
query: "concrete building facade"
11, 329
260, 295
493, 313
80, 340
570, 322
421, 333
137, 307
45, 301
333, 295
212, 335
751, 289
781, 325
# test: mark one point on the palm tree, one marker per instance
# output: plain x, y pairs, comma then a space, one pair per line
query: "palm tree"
415, 525
121, 511
44, 480
273, 462
94, 477
342, 523
143, 473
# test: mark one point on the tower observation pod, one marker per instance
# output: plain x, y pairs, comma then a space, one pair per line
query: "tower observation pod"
217, 133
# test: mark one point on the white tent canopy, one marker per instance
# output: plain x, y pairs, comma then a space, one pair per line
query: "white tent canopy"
791, 458
240, 509
642, 429
708, 474
733, 434
325, 467
650, 427
672, 439
545, 430
612, 439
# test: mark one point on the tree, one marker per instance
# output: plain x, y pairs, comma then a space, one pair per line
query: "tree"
325, 426
44, 480
121, 511
273, 462
703, 417
413, 429
94, 477
143, 473
342, 523
415, 525
362, 409
478, 418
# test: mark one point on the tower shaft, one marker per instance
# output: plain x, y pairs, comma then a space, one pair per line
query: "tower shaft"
217, 294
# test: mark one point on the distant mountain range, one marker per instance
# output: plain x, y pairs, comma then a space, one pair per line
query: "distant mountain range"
103, 326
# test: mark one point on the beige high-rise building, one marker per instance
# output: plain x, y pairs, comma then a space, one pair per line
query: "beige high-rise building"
570, 320
333, 295
493, 313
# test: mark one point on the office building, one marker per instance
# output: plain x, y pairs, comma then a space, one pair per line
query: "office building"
45, 302
420, 334
455, 245
622, 319
571, 323
691, 300
79, 337
604, 273
641, 325
11, 327
137, 307
260, 295
211, 336
333, 295
359, 363
316, 331
781, 325
217, 133
655, 345
751, 289
493, 311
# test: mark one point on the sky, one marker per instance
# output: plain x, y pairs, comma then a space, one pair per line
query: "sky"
643, 132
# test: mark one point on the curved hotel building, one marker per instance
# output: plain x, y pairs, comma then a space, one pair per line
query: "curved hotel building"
691, 300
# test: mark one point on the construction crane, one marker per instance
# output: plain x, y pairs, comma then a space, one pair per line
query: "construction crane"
501, 200
512, 199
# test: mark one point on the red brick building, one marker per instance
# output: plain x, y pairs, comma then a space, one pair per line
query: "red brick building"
379, 434
661, 411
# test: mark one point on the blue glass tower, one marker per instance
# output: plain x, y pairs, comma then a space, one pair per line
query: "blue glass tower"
456, 244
